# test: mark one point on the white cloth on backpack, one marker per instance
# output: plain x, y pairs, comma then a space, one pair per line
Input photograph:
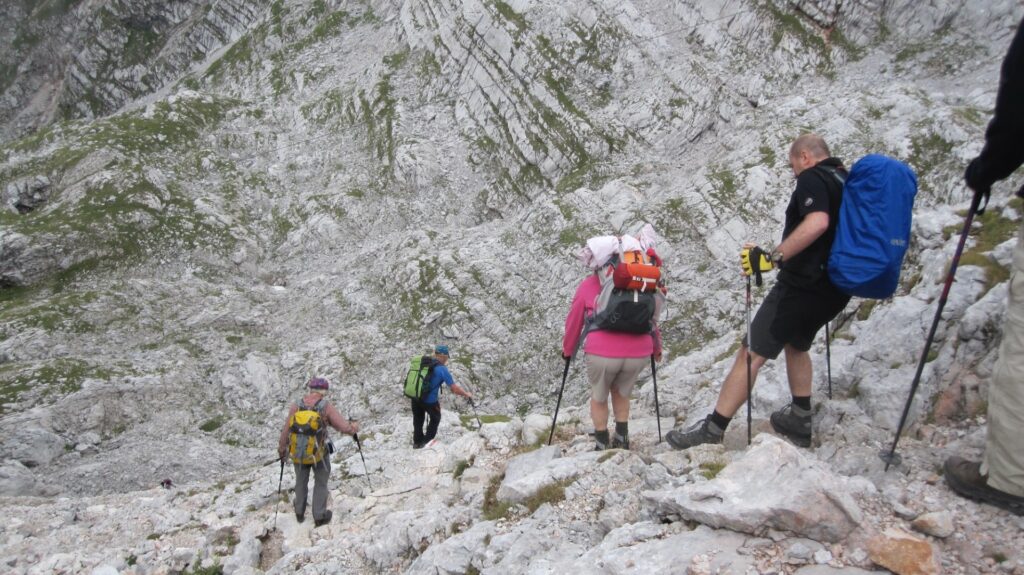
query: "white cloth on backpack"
600, 249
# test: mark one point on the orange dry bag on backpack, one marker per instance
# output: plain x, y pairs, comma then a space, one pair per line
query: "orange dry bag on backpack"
637, 271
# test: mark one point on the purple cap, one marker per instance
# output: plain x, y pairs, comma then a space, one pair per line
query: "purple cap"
318, 383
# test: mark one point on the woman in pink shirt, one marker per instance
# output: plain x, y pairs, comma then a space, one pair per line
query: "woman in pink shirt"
614, 359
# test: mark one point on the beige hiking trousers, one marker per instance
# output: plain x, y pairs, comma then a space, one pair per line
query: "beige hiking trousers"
1004, 449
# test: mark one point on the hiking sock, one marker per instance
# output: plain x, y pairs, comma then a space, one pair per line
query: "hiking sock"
622, 428
721, 421
803, 402
601, 436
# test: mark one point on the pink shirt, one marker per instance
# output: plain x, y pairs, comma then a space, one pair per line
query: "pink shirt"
603, 342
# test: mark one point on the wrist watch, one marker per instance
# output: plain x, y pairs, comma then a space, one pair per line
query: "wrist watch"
776, 257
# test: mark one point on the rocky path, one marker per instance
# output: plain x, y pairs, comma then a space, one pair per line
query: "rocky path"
489, 501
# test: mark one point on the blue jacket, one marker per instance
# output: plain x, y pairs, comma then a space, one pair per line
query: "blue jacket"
439, 375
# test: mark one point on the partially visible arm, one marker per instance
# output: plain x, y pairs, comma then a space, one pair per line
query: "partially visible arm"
1003, 152
811, 228
574, 322
447, 379
282, 442
335, 420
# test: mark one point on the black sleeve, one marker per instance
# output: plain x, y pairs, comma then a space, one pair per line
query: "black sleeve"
811, 193
1003, 152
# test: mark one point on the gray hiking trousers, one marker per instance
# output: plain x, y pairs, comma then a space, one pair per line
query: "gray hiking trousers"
1004, 449
321, 471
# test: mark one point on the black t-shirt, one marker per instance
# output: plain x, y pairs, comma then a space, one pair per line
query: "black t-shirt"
817, 190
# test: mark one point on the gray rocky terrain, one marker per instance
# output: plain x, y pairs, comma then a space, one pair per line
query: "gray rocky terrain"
203, 203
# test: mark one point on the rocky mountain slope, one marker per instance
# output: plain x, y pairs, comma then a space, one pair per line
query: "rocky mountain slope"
206, 202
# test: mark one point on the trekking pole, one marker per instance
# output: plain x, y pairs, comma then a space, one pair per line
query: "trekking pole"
277, 504
477, 415
828, 360
750, 377
891, 456
657, 410
366, 469
565, 374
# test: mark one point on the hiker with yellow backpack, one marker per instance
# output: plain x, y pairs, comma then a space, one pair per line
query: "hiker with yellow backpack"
304, 440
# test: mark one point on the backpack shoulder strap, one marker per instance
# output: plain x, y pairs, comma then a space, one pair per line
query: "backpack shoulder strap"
318, 407
835, 174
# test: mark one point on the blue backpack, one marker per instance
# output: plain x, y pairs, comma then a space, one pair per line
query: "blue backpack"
873, 231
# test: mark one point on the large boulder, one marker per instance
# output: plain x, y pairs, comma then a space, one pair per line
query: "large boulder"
16, 480
531, 472
456, 554
773, 486
33, 446
536, 427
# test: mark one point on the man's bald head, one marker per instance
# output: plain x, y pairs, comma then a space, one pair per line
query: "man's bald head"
812, 144
806, 151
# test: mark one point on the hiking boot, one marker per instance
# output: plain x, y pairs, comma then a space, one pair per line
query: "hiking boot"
965, 478
599, 446
793, 423
697, 434
620, 441
326, 519
300, 517
418, 445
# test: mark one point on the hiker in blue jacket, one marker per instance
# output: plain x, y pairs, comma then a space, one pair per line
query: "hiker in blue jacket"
999, 477
430, 405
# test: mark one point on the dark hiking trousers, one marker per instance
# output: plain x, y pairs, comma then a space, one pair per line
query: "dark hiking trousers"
321, 471
419, 410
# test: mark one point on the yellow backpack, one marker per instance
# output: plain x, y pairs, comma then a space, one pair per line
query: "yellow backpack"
306, 443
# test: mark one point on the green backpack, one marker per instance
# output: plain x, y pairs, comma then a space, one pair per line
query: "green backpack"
417, 381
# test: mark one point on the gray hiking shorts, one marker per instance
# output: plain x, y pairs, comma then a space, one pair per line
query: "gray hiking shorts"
608, 373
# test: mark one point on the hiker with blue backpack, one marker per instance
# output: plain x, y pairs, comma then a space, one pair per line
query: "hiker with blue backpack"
802, 300
304, 440
428, 375
998, 478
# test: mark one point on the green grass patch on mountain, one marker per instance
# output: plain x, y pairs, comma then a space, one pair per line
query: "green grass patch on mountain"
56, 377
994, 229
61, 311
469, 421
507, 14
327, 27
124, 214
791, 24
928, 151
